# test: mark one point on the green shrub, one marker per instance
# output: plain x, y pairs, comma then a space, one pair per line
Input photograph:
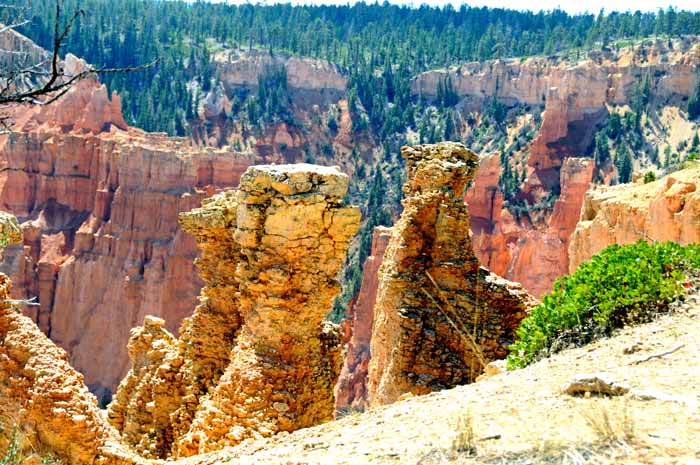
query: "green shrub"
621, 285
649, 176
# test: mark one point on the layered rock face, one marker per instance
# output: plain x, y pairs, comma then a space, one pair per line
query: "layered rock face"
576, 97
256, 357
664, 210
45, 408
351, 389
608, 77
99, 205
243, 69
532, 253
439, 317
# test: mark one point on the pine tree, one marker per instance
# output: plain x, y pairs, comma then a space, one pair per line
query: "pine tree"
623, 163
694, 102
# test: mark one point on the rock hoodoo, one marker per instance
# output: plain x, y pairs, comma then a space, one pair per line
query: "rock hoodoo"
98, 203
664, 210
169, 376
256, 357
439, 316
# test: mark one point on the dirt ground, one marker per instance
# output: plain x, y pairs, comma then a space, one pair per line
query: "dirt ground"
523, 417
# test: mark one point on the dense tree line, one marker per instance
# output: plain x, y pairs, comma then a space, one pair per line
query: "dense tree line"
397, 41
379, 47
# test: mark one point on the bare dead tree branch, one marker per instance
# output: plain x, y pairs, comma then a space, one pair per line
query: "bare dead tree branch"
47, 79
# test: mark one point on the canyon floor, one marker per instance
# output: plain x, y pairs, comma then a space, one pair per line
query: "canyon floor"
523, 417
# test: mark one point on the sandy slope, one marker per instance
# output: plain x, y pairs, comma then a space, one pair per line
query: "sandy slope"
523, 417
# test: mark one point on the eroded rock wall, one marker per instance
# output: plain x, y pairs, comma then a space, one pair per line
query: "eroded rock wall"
99, 203
608, 77
351, 389
256, 358
439, 316
576, 96
532, 252
46, 411
664, 210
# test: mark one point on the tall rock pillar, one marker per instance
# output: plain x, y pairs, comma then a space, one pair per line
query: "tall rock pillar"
439, 316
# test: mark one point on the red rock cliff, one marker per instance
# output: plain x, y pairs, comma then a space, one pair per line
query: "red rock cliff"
532, 252
99, 203
351, 389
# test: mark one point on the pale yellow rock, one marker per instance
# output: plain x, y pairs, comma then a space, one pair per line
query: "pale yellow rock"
256, 357
664, 210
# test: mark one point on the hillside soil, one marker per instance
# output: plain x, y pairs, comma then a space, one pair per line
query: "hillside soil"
523, 416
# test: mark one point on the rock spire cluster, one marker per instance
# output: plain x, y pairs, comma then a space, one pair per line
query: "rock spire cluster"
257, 356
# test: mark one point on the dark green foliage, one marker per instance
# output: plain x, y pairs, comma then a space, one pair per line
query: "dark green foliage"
621, 285
272, 102
623, 163
495, 111
396, 40
601, 152
649, 176
694, 102
446, 95
641, 96
614, 126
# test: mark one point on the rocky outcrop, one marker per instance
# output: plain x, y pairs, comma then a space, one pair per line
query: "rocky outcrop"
169, 376
664, 210
98, 204
439, 316
46, 412
351, 389
24, 53
86, 106
256, 357
243, 69
293, 232
10, 231
576, 96
607, 77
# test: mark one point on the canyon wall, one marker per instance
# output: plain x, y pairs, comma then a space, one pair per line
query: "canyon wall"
532, 253
256, 357
576, 96
439, 317
243, 69
46, 412
351, 389
607, 76
664, 210
98, 203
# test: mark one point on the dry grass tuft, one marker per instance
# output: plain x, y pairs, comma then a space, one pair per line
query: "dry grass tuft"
465, 440
610, 426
